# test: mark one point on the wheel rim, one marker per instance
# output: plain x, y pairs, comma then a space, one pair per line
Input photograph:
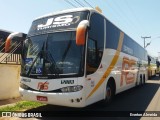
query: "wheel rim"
108, 93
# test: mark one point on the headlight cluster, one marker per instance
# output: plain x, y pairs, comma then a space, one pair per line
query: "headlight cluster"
24, 86
72, 88
63, 90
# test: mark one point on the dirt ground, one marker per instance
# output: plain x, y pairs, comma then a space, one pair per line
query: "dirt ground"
9, 101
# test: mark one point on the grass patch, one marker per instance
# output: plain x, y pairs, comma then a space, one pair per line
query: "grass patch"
21, 106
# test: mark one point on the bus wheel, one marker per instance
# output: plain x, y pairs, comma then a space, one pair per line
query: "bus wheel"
110, 92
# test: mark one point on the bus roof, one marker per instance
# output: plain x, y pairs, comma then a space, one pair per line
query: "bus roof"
83, 9
66, 11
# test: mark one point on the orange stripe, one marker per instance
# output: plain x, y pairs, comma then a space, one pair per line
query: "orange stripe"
111, 66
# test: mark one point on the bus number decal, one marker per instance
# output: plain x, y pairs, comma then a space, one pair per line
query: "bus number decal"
128, 74
67, 81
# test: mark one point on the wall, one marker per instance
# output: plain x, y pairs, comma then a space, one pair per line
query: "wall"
9, 81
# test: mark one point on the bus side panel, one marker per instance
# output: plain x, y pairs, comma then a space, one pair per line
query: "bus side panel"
125, 73
128, 74
100, 78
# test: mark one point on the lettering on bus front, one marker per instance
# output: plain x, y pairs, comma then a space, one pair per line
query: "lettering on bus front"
67, 81
57, 22
60, 21
128, 71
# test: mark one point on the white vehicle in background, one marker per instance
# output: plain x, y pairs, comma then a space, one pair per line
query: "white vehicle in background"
153, 66
77, 57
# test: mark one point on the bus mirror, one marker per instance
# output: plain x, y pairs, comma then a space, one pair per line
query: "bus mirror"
81, 32
9, 40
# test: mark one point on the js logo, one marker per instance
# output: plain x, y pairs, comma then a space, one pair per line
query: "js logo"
65, 20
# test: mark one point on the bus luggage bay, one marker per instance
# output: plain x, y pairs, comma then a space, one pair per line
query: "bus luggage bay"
77, 57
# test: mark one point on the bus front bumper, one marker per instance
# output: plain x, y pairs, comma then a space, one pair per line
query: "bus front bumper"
73, 99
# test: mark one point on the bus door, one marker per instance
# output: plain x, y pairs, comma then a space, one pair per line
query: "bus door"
95, 48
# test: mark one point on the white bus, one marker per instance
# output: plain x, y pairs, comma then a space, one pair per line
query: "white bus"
78, 57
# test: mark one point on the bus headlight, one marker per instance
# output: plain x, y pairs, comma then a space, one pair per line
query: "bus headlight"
24, 86
72, 88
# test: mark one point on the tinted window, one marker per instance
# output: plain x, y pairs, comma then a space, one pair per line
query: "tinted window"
95, 43
58, 22
112, 35
129, 45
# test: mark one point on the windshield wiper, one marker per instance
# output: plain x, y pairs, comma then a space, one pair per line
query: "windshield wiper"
39, 53
53, 68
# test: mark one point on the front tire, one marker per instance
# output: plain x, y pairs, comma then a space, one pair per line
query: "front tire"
109, 93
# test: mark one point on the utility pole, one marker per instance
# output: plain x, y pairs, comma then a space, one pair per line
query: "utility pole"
145, 41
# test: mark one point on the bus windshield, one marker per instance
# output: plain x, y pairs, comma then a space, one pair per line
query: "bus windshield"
52, 55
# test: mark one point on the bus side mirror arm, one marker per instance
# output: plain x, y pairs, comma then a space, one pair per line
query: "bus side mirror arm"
81, 32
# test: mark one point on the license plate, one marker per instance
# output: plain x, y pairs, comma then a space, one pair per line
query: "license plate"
42, 98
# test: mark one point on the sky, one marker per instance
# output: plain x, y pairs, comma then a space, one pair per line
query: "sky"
137, 18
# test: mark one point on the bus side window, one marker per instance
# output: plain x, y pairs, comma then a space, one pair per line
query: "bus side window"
91, 56
95, 43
